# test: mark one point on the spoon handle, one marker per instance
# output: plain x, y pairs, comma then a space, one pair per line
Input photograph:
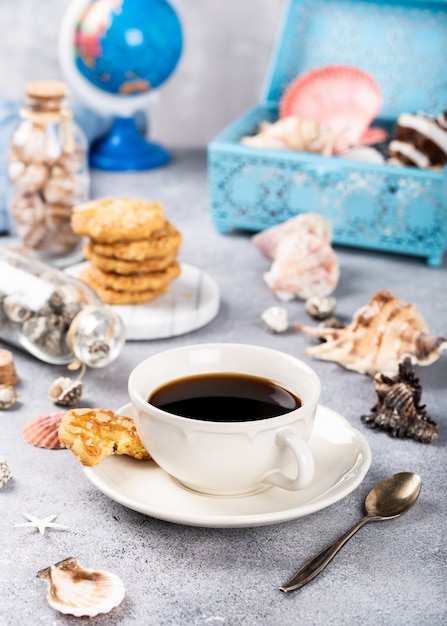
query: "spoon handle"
317, 563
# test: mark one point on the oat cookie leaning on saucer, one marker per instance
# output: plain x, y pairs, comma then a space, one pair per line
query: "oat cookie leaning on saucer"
94, 434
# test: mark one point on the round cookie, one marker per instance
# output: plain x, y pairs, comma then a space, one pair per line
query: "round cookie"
114, 219
93, 434
112, 296
160, 243
120, 266
152, 281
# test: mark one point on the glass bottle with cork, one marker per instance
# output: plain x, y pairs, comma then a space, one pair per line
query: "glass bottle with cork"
54, 316
48, 174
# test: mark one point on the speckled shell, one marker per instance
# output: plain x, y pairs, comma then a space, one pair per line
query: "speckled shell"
65, 391
77, 591
42, 431
382, 334
5, 473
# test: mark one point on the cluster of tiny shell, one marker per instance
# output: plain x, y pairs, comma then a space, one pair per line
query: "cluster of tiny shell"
45, 328
47, 179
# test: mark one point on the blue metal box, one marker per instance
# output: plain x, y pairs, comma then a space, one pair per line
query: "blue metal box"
401, 209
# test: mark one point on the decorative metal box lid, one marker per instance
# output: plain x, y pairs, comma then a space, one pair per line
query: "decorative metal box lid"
401, 44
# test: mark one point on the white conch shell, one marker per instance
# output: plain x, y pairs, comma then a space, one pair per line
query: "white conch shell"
382, 335
81, 592
293, 133
267, 241
304, 263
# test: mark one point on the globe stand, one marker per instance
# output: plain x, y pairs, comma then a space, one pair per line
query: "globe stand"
124, 148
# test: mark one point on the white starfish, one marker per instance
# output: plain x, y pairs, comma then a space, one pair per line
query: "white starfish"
40, 524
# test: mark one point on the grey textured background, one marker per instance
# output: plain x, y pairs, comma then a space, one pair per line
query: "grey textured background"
227, 46
391, 573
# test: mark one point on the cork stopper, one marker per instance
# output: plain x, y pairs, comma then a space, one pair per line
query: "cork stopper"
8, 374
45, 90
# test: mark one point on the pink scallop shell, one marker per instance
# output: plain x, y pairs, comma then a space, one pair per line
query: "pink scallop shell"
344, 98
42, 431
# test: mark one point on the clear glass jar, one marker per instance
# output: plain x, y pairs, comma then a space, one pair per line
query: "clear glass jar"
48, 175
53, 316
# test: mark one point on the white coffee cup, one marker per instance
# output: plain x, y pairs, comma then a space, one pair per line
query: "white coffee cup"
228, 457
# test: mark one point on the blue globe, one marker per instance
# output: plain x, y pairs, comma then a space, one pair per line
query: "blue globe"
127, 46
114, 53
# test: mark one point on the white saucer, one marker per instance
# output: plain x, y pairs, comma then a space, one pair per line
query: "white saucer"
192, 301
342, 458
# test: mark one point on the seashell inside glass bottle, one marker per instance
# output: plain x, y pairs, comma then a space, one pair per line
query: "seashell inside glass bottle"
55, 317
48, 175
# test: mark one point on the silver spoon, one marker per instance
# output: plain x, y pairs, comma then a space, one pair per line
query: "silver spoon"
390, 498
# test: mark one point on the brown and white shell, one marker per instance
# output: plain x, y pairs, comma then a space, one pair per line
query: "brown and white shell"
77, 591
65, 391
42, 431
304, 263
398, 409
382, 334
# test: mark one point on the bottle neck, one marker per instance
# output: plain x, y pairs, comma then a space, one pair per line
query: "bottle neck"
51, 112
96, 336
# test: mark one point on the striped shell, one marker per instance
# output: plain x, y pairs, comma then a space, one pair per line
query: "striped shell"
77, 591
42, 431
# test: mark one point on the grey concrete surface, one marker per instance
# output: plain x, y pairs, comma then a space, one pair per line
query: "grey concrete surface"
390, 573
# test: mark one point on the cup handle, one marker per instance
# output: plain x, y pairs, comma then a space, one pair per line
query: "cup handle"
304, 460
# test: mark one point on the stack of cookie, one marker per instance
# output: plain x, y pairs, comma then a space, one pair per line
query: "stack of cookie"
132, 249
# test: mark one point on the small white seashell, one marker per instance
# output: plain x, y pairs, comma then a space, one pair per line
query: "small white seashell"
65, 391
8, 396
275, 319
5, 473
81, 592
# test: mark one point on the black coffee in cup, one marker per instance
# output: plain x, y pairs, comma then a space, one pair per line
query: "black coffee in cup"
224, 397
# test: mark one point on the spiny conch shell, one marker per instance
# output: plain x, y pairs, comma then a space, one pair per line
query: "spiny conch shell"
398, 409
381, 335
275, 319
42, 431
8, 396
65, 391
5, 473
304, 264
81, 592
